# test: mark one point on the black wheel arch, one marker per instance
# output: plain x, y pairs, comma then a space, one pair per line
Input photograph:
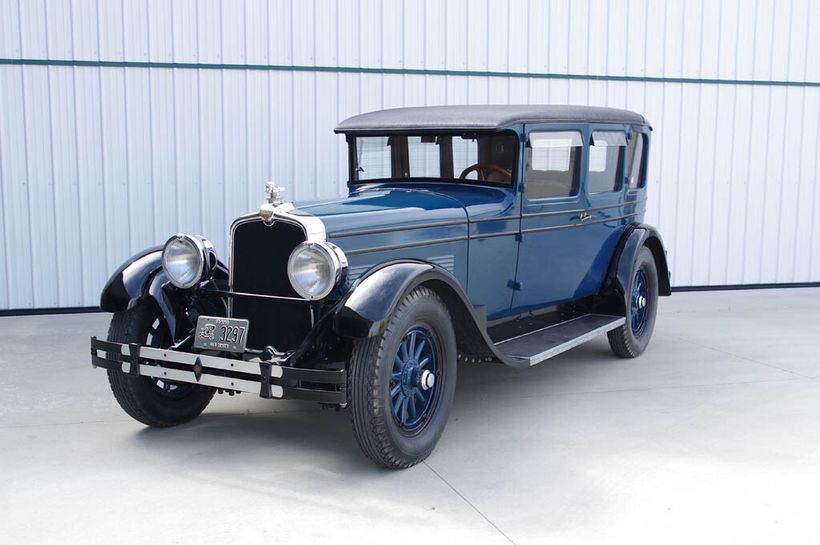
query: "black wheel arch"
364, 311
619, 274
142, 277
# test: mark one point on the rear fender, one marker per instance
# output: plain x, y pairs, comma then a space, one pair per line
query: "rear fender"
620, 271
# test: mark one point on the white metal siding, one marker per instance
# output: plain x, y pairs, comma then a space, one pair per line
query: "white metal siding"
98, 162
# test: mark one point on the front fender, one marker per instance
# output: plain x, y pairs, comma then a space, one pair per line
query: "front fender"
142, 277
130, 281
366, 308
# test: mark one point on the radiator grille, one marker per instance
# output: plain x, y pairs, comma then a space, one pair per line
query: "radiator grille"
259, 264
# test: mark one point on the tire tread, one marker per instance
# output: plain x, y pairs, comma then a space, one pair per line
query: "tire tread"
366, 405
124, 328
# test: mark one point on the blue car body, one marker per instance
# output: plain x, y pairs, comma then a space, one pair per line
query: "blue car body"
496, 254
509, 254
502, 234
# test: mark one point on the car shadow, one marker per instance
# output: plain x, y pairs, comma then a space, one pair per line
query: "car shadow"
244, 429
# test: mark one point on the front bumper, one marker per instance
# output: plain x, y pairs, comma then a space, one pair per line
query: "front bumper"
268, 379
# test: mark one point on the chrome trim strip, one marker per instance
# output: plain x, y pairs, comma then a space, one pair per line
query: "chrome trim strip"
214, 362
215, 381
579, 224
357, 232
491, 235
553, 213
232, 294
407, 245
496, 218
579, 210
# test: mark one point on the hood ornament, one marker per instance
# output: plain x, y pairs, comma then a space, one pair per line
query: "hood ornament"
274, 193
274, 200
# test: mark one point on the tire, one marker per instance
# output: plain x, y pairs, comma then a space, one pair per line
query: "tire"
383, 373
632, 338
148, 400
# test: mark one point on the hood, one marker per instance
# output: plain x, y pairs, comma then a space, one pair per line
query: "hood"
379, 206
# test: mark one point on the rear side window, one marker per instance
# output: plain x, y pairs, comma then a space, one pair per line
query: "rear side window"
605, 161
553, 164
635, 152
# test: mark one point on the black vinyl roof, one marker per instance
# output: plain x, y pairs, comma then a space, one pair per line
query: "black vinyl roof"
482, 117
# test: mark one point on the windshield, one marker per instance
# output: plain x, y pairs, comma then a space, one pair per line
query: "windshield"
467, 158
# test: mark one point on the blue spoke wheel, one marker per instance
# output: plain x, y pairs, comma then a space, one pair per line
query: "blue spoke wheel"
638, 301
640, 306
402, 381
413, 378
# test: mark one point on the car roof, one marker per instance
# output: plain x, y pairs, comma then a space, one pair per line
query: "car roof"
482, 117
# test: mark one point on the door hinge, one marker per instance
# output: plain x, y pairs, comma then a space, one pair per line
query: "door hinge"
519, 237
514, 285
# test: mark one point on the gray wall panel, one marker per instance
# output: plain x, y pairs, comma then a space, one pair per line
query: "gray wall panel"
97, 162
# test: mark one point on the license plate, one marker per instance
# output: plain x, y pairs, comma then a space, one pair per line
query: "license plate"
225, 334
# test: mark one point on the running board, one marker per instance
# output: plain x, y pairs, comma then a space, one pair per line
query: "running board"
541, 344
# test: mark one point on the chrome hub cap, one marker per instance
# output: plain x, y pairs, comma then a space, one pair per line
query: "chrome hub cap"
426, 380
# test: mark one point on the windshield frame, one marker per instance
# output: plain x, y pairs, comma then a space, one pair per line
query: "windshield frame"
353, 157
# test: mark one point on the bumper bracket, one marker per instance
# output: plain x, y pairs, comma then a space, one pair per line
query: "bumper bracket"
268, 379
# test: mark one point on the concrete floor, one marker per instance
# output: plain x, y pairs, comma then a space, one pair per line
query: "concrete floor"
712, 435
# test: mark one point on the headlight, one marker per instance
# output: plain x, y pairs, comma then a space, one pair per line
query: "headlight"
188, 260
315, 268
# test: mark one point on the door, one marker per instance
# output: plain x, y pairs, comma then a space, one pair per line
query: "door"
604, 186
554, 256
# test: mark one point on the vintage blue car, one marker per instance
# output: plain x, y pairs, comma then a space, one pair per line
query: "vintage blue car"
469, 234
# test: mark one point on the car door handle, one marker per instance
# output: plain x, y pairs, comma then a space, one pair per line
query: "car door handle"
583, 216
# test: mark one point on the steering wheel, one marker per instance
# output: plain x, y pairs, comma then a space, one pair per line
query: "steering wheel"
482, 170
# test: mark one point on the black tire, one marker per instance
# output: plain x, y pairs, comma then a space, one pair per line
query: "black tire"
150, 401
627, 341
378, 431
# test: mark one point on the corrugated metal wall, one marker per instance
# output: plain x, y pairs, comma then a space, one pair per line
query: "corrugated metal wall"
170, 116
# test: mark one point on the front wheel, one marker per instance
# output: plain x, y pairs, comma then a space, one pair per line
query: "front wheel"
402, 382
631, 339
152, 401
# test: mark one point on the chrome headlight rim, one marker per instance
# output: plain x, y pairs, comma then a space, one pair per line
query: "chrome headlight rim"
335, 259
202, 251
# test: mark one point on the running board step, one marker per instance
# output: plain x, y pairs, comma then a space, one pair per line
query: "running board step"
542, 344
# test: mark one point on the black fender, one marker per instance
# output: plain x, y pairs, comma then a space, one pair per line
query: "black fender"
142, 277
635, 237
365, 310
130, 281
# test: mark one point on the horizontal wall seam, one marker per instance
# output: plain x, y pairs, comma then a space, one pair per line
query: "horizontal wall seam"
403, 71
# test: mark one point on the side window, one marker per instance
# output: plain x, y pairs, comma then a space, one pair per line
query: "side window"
605, 161
635, 152
553, 164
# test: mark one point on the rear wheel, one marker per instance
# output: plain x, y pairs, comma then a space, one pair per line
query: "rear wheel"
152, 401
402, 382
632, 338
